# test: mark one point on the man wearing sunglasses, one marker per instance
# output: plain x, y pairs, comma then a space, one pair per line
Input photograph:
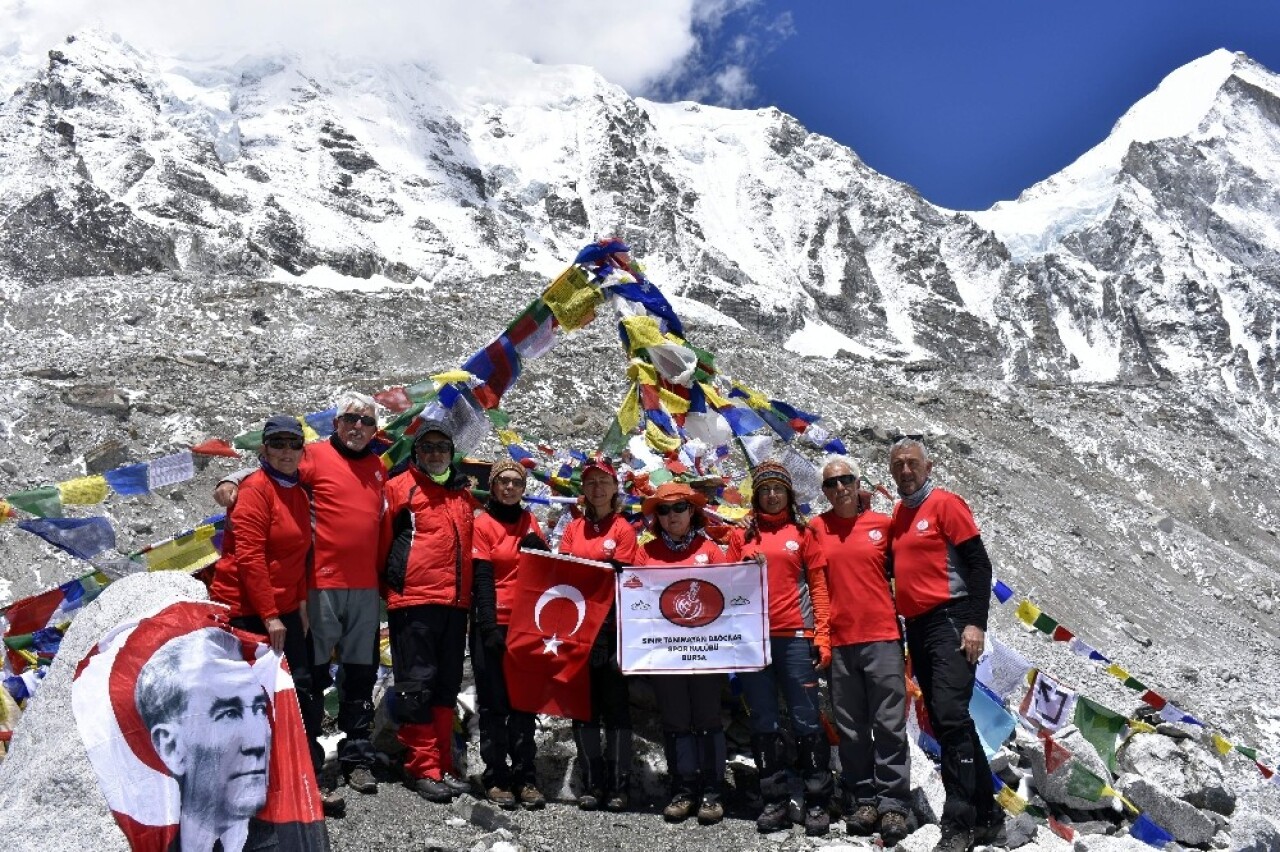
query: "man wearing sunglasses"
347, 482
868, 687
942, 585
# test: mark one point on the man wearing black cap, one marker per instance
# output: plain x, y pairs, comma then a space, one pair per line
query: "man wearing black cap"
427, 582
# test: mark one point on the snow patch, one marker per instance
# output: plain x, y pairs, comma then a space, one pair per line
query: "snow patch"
819, 340
324, 278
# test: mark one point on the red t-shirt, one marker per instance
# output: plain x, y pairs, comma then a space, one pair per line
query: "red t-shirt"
703, 551
925, 564
797, 576
263, 569
499, 543
861, 608
613, 538
349, 504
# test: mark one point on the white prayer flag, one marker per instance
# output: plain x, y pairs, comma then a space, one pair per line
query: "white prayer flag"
170, 470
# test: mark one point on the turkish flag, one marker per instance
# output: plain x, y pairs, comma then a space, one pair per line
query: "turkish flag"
560, 603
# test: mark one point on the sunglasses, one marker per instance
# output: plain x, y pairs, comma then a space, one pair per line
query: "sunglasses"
509, 480
845, 479
351, 419
665, 509
897, 439
283, 443
435, 447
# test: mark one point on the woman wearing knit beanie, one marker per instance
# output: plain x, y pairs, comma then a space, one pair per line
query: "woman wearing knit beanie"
776, 532
501, 530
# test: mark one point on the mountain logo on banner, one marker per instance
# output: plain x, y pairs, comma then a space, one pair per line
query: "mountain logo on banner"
561, 592
633, 582
691, 603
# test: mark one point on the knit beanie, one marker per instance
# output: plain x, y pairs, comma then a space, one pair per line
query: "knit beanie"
770, 471
501, 466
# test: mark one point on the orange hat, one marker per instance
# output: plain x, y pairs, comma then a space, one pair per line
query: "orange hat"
673, 492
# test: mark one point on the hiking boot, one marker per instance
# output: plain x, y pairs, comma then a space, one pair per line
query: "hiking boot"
817, 821
590, 800
955, 839
679, 808
710, 811
431, 789
504, 799
773, 818
362, 781
992, 834
617, 801
893, 828
862, 821
332, 803
457, 786
531, 798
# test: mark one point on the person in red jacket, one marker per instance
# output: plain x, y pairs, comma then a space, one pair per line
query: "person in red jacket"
601, 533
868, 684
500, 532
427, 581
689, 704
776, 532
942, 585
262, 574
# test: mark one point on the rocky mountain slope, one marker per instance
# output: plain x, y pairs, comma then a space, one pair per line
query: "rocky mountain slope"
1099, 384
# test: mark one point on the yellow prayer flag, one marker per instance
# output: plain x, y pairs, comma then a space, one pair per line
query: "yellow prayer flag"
1027, 612
642, 372
755, 399
659, 440
714, 399
1116, 672
1011, 801
572, 298
1220, 745
309, 434
1132, 808
6, 511
188, 553
1137, 726
83, 491
508, 437
732, 513
672, 402
642, 332
629, 412
449, 377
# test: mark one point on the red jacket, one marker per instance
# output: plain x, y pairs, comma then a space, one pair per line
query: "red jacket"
438, 566
703, 551
797, 570
499, 543
614, 539
855, 549
263, 569
349, 505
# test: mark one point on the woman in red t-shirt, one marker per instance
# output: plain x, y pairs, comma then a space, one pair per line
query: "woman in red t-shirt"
603, 534
689, 703
496, 538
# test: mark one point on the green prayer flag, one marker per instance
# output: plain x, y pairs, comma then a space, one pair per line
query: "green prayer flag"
1249, 752
1045, 624
1083, 784
399, 451
614, 441
422, 391
1135, 684
248, 440
396, 426
45, 501
499, 418
1101, 727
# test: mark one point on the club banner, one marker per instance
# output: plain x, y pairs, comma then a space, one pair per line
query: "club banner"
194, 733
693, 618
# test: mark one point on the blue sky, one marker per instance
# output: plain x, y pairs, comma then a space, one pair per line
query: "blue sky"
970, 102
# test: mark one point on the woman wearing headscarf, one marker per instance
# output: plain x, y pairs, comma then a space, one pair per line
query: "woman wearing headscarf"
500, 531
262, 574
601, 533
776, 532
689, 704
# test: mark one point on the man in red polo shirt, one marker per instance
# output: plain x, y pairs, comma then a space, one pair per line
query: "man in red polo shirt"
942, 578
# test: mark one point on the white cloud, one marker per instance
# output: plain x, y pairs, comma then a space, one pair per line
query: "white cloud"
631, 46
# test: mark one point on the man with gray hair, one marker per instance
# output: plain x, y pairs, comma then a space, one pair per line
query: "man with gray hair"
347, 484
942, 581
208, 719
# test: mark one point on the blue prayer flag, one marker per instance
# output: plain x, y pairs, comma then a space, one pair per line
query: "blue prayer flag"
1002, 592
129, 480
1146, 830
83, 538
322, 421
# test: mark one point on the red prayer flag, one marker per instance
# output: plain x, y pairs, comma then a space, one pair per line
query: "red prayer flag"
1061, 829
1154, 700
560, 603
216, 447
1062, 634
1266, 771
394, 399
1055, 753
27, 616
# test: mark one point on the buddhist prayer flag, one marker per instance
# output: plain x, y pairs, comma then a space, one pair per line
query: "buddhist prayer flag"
1220, 744
133, 479
1146, 830
1002, 669
83, 538
1083, 784
188, 552
1056, 754
1101, 727
393, 399
170, 470
533, 333
45, 501
1061, 829
572, 298
1027, 613
1001, 591
1048, 704
993, 721
85, 491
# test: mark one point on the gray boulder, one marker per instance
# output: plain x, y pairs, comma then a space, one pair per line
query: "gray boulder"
1052, 787
1183, 768
1254, 832
1184, 821
48, 790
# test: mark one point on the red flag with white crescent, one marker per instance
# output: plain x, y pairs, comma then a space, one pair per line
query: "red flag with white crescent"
560, 603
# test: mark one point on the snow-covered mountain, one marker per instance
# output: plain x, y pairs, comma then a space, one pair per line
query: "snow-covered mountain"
1094, 363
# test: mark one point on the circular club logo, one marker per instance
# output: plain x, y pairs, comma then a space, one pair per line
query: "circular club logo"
691, 603
875, 535
610, 544
793, 546
922, 526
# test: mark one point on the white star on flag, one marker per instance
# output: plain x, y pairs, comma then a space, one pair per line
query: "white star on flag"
551, 646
